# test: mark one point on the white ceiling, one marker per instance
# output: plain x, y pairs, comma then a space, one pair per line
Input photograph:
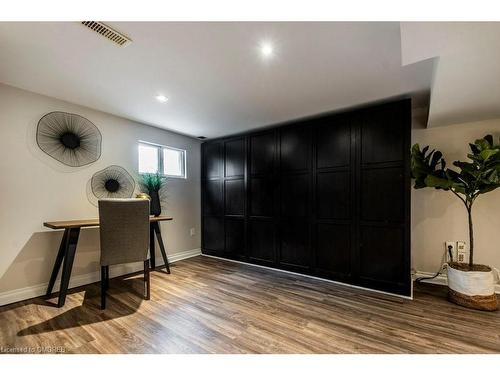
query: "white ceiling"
466, 84
218, 84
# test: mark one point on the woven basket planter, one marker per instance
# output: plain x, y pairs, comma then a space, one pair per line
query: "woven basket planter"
473, 288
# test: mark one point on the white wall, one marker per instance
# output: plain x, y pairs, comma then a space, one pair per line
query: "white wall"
35, 188
439, 216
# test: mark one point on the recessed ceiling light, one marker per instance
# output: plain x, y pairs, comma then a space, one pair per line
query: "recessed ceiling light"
266, 50
161, 98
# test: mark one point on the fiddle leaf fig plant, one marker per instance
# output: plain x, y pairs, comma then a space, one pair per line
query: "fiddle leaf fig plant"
472, 178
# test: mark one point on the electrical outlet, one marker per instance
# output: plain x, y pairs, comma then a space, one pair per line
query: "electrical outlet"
461, 247
192, 232
462, 252
447, 246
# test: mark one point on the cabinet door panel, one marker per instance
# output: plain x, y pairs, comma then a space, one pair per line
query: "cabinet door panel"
294, 249
382, 194
333, 250
382, 136
213, 203
333, 143
295, 195
262, 153
261, 196
295, 148
213, 233
213, 160
235, 197
235, 238
262, 240
333, 195
235, 158
381, 254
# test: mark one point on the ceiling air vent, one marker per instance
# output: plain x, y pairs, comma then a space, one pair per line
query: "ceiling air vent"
108, 32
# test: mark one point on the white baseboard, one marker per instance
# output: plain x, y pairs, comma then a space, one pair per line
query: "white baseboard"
182, 255
21, 294
317, 278
442, 279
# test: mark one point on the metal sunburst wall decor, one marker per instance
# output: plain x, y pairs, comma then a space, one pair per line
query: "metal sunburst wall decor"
112, 182
69, 138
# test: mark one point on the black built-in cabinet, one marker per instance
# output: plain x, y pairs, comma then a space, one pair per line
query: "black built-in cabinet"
327, 196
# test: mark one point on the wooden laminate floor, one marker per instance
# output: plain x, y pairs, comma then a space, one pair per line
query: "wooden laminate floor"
213, 306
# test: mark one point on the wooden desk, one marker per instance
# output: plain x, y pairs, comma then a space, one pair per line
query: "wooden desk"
67, 249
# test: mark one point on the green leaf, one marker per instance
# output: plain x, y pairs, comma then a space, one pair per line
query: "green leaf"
459, 188
486, 154
489, 139
452, 175
437, 182
482, 144
493, 178
435, 159
466, 168
488, 188
427, 157
474, 149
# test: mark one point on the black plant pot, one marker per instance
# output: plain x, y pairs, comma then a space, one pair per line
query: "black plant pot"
155, 205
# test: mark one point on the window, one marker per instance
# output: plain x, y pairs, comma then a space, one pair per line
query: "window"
168, 161
148, 158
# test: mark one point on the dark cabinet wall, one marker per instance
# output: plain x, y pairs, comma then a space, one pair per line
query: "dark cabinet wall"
327, 197
294, 250
213, 198
262, 198
384, 193
333, 217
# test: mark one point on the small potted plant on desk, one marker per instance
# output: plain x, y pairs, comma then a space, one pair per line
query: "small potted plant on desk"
471, 285
152, 184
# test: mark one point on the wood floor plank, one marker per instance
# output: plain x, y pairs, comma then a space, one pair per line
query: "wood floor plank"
209, 305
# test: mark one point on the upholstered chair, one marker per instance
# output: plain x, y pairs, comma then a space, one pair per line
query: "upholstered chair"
124, 233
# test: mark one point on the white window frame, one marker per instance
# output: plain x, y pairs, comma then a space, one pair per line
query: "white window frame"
160, 159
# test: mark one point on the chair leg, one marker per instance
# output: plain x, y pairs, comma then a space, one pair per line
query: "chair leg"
107, 277
147, 281
103, 287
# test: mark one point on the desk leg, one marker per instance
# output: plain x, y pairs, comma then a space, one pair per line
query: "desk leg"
58, 262
162, 247
69, 256
152, 254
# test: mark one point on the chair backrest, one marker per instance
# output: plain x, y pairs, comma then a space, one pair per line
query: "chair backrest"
124, 227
